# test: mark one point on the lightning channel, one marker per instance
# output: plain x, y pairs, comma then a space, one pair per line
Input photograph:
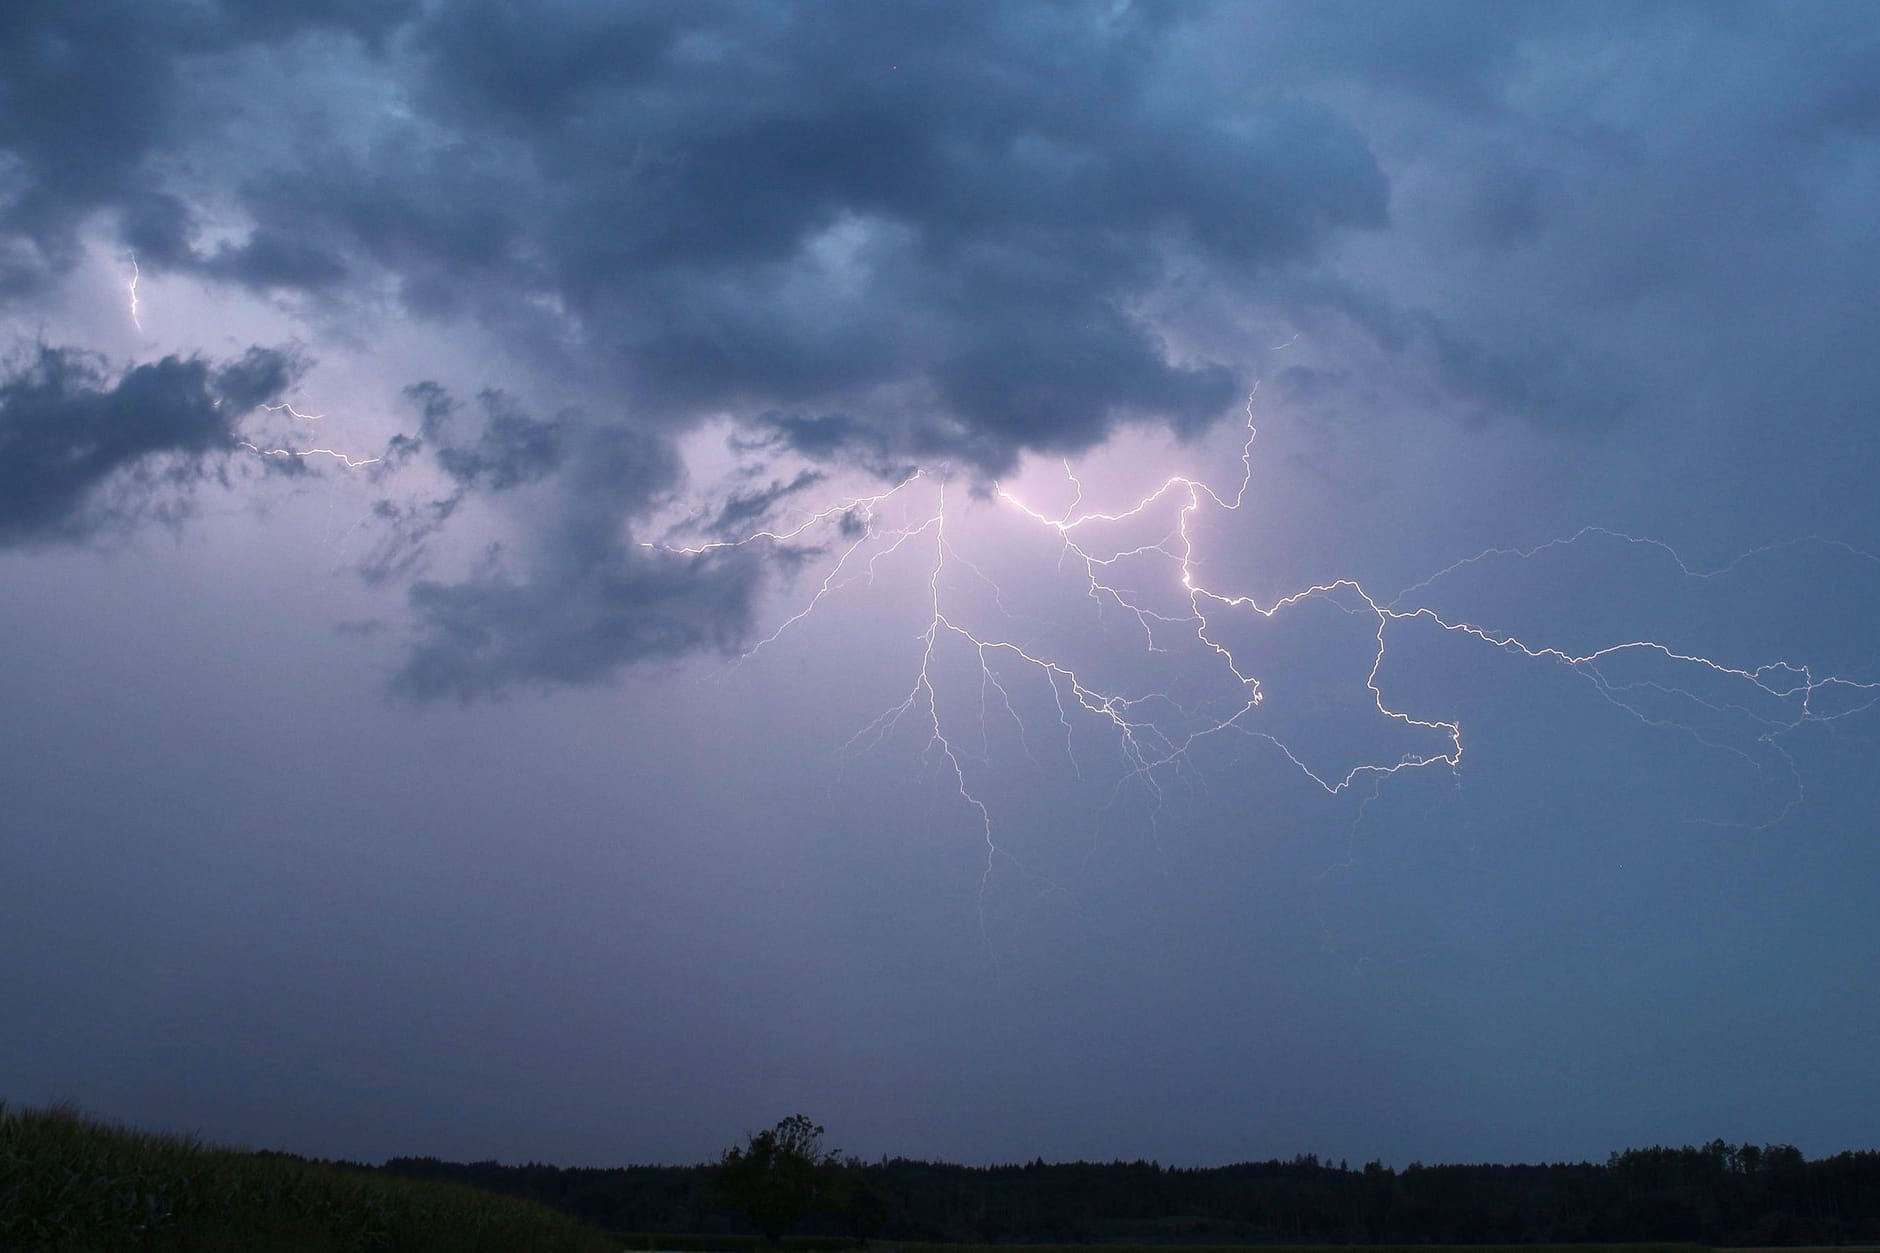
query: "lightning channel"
131, 289
348, 460
1156, 732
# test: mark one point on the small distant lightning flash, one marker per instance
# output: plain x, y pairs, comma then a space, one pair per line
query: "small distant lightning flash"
1155, 731
346, 459
136, 321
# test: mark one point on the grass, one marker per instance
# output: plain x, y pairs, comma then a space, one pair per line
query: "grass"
69, 1184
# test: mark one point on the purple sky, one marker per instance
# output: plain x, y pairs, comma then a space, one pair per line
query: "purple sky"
402, 779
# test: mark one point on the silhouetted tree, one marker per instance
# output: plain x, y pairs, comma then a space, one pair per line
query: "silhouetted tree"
779, 1178
1697, 1194
860, 1201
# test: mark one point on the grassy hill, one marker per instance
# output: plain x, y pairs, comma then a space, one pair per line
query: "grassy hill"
70, 1184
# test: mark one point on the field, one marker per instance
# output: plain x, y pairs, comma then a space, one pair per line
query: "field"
70, 1184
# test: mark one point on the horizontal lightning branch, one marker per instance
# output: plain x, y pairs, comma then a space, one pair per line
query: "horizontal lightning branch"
1140, 724
345, 459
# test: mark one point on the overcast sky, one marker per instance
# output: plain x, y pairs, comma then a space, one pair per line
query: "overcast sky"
557, 601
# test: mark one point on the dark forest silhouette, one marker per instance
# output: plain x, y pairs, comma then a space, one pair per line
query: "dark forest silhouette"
1716, 1194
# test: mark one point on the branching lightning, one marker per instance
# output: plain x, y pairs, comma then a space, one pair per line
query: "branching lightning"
1156, 732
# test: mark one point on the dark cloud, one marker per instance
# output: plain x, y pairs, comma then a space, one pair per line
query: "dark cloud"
1592, 204
938, 218
505, 449
740, 510
876, 236
1459, 52
510, 448
875, 448
256, 378
943, 219
96, 100
947, 222
590, 599
401, 547
822, 436
79, 447
580, 622
268, 258
578, 597
940, 222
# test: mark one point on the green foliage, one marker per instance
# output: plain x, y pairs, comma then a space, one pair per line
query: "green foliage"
69, 1184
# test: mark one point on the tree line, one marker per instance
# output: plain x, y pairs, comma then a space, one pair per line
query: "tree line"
1716, 1194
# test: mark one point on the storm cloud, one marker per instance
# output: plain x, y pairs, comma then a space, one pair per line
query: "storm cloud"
878, 237
80, 448
95, 104
588, 599
946, 217
940, 215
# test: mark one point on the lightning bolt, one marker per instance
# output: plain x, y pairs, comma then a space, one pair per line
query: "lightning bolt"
345, 459
1156, 732
136, 321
